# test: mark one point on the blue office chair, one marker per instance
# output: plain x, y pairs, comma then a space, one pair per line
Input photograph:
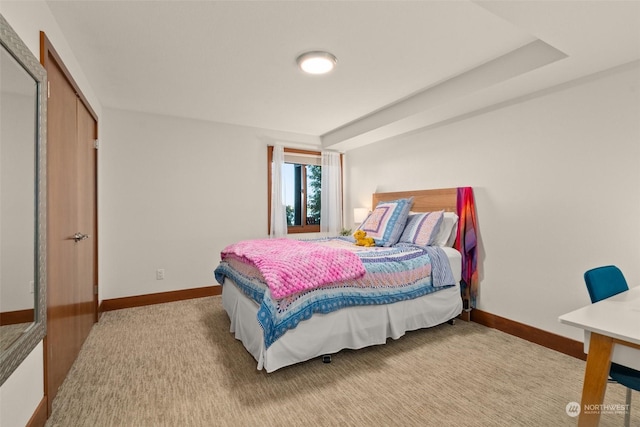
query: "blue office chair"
605, 282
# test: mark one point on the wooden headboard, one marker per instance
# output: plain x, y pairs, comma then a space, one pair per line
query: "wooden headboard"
424, 200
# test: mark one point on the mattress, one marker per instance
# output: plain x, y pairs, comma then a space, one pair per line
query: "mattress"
348, 328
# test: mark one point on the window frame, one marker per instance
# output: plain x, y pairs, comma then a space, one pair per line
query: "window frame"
292, 229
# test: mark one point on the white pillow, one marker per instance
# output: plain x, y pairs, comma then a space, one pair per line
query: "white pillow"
448, 230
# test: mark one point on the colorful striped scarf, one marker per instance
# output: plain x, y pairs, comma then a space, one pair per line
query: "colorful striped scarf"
466, 242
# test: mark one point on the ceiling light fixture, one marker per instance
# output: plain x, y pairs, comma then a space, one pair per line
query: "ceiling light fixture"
316, 62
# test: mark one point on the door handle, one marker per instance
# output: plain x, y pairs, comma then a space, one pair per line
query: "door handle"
78, 237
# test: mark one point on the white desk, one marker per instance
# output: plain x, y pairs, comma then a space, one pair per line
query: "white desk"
611, 323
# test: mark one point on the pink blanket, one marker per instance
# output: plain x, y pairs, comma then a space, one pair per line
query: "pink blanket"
291, 266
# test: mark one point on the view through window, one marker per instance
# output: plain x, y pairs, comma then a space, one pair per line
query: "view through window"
302, 193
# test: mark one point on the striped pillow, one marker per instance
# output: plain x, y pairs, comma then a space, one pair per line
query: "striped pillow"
422, 229
386, 222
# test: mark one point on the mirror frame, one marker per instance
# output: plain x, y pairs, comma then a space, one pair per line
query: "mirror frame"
11, 358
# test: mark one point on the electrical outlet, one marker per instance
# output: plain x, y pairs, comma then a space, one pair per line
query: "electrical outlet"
31, 286
160, 274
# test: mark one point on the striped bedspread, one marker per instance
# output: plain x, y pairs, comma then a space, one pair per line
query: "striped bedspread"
393, 274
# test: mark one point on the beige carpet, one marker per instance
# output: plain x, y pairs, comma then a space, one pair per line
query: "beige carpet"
177, 364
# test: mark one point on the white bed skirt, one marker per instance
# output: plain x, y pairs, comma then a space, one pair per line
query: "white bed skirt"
353, 328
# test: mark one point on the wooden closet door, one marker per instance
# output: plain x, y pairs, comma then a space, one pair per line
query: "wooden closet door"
62, 222
71, 208
86, 250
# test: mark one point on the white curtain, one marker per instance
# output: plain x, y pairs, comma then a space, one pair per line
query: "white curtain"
278, 210
331, 194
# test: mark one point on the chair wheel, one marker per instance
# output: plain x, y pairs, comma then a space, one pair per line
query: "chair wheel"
326, 358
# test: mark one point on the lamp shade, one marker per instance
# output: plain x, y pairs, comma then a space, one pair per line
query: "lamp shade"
360, 214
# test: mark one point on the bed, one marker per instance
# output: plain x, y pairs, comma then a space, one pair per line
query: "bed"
426, 302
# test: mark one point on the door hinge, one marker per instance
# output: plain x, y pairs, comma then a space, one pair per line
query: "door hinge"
95, 289
96, 143
48, 89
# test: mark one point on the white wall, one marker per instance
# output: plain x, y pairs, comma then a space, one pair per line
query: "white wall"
23, 390
28, 18
172, 194
557, 190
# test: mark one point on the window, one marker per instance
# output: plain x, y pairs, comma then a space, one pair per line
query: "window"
302, 177
302, 193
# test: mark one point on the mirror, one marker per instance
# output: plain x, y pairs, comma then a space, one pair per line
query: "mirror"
22, 201
18, 110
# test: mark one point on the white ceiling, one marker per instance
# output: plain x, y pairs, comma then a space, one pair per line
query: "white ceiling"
402, 65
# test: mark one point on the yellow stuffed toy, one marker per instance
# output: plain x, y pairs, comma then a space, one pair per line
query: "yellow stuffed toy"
362, 239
